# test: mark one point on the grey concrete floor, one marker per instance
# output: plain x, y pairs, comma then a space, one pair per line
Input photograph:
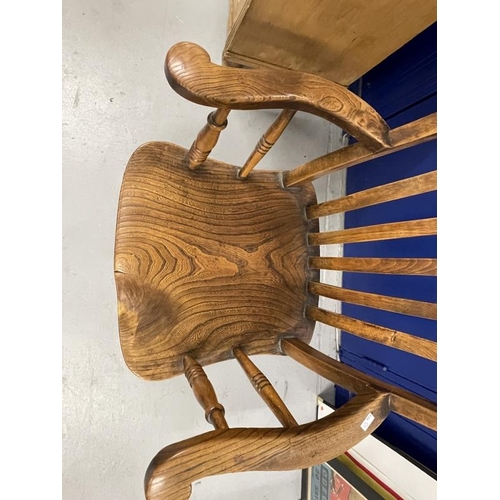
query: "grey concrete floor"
115, 97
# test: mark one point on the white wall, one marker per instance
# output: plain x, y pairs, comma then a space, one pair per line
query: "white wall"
115, 97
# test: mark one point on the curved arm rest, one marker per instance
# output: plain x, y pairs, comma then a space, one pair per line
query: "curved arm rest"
192, 75
171, 472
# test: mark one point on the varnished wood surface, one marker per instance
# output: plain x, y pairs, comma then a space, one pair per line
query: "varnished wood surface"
210, 267
172, 471
394, 304
207, 138
204, 393
192, 75
340, 40
205, 262
402, 401
417, 267
267, 141
265, 390
388, 192
386, 336
377, 232
411, 134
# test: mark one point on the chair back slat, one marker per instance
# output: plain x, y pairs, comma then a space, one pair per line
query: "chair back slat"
417, 267
388, 192
411, 134
390, 231
386, 336
265, 390
393, 304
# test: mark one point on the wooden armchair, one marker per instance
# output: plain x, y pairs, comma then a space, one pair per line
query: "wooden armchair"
213, 261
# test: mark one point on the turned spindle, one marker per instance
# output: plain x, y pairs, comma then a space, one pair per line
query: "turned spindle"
265, 390
267, 141
204, 393
207, 137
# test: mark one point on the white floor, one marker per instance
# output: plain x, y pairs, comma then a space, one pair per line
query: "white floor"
115, 97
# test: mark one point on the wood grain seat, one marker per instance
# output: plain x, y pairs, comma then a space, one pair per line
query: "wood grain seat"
217, 262
202, 255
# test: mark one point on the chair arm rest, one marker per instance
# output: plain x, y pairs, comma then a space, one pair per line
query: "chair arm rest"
171, 472
192, 75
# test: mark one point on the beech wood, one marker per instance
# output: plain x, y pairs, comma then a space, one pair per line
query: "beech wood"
204, 393
386, 336
394, 304
267, 141
207, 138
411, 134
388, 192
418, 267
390, 231
265, 390
402, 401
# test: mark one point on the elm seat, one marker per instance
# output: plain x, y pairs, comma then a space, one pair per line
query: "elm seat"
202, 255
214, 261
